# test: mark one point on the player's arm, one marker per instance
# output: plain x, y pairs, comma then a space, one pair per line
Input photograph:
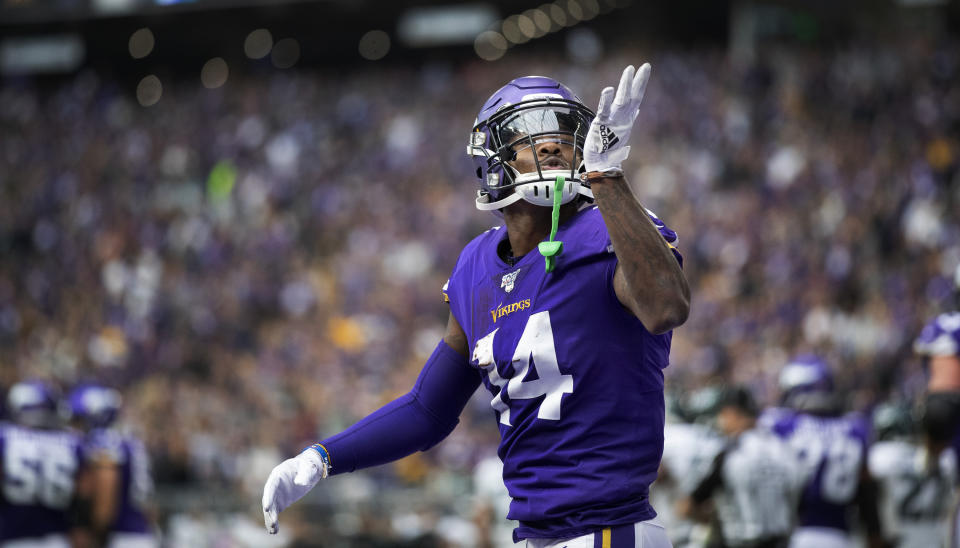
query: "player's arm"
648, 280
695, 505
104, 477
413, 422
944, 374
867, 507
79, 511
456, 338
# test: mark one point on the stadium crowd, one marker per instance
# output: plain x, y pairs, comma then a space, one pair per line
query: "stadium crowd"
271, 252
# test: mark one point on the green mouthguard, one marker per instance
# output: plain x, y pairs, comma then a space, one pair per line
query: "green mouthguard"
551, 248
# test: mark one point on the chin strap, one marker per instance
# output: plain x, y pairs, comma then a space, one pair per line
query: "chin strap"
551, 248
484, 204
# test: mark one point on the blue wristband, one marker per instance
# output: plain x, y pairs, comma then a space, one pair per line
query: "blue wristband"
324, 455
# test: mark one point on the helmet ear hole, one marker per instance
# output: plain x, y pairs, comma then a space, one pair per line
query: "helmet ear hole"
479, 173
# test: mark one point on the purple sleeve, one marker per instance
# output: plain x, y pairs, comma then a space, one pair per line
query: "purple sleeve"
416, 421
668, 234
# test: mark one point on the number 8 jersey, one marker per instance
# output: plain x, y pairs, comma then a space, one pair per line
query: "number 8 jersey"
575, 379
832, 451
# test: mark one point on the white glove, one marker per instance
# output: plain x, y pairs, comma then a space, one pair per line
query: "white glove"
606, 145
288, 482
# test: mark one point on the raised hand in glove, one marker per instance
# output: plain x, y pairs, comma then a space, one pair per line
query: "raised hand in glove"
606, 146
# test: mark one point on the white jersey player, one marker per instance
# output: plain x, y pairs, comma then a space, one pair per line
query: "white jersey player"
917, 487
689, 449
755, 481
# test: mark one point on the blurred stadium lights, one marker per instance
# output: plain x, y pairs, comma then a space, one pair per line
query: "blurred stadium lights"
141, 43
258, 44
444, 25
558, 15
285, 53
374, 45
490, 45
214, 73
114, 7
41, 54
149, 91
574, 10
520, 28
511, 30
541, 20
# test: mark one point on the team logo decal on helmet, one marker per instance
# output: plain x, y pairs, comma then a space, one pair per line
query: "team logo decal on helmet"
524, 113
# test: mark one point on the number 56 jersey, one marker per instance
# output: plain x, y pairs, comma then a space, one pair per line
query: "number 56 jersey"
575, 379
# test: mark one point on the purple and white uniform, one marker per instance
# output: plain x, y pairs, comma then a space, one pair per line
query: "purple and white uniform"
941, 337
576, 380
39, 473
832, 452
136, 484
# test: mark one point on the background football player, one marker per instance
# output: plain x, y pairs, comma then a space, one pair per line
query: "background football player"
917, 475
690, 445
39, 464
832, 451
584, 296
115, 480
753, 482
939, 345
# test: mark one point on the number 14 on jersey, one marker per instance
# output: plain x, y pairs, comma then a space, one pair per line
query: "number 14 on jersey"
535, 349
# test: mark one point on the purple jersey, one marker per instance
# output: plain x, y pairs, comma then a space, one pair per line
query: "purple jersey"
576, 380
136, 484
39, 472
941, 337
832, 452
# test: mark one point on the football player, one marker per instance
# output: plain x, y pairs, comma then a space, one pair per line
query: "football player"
939, 345
754, 481
832, 450
115, 480
39, 463
917, 479
690, 446
564, 314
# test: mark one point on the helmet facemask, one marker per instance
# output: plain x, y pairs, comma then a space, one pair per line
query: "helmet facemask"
496, 143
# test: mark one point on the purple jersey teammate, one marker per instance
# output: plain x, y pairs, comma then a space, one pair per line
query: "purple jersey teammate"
116, 471
939, 345
564, 314
39, 463
832, 452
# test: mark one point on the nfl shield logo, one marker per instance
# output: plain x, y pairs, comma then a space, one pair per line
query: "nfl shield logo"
508, 279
